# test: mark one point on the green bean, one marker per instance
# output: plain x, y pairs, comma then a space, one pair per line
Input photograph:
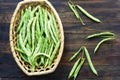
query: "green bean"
30, 12
102, 41
21, 21
28, 48
18, 45
54, 52
34, 10
87, 14
24, 57
25, 23
38, 46
26, 19
49, 27
101, 34
108, 36
46, 51
42, 44
37, 24
73, 8
37, 35
37, 62
23, 47
23, 29
40, 54
75, 54
33, 34
25, 40
43, 50
18, 49
46, 24
30, 9
54, 26
36, 56
79, 67
74, 68
41, 20
50, 52
33, 58
28, 30
89, 61
32, 68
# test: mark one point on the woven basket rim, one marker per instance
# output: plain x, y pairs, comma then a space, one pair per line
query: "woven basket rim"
61, 32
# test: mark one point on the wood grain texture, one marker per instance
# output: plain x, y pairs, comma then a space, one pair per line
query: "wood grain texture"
106, 60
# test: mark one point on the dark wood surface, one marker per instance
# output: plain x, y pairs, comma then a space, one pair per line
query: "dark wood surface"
107, 59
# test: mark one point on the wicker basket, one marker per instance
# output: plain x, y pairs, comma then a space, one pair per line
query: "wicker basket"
13, 40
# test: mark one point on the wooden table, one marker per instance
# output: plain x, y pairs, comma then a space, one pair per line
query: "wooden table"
106, 60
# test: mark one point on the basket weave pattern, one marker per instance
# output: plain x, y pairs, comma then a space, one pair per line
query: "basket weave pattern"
13, 38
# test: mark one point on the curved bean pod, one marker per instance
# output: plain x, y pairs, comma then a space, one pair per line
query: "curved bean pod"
87, 14
73, 8
90, 61
74, 68
102, 41
75, 55
79, 67
100, 34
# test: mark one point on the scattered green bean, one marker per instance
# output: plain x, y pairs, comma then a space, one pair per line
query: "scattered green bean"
74, 68
89, 61
87, 14
108, 36
101, 34
75, 55
79, 67
73, 8
102, 41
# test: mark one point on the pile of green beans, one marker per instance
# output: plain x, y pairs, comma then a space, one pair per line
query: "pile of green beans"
79, 63
38, 38
107, 36
74, 8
